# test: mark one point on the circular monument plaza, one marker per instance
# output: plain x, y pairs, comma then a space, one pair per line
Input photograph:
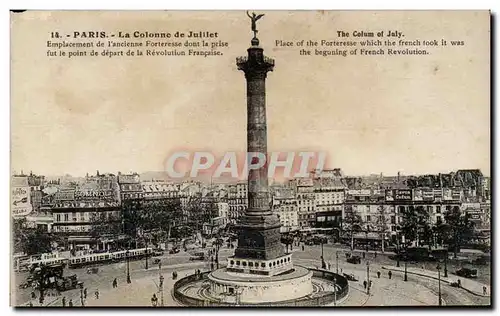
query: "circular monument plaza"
299, 286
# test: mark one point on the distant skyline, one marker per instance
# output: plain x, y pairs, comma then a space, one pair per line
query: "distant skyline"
156, 174
371, 115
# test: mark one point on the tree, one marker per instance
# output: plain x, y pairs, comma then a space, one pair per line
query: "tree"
427, 235
156, 217
287, 240
381, 224
351, 223
104, 224
30, 240
442, 233
218, 244
200, 210
414, 219
460, 228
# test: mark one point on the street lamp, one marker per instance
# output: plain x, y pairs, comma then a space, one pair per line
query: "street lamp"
128, 267
335, 291
398, 252
322, 248
337, 261
161, 283
406, 257
146, 253
439, 283
323, 263
81, 297
368, 277
446, 265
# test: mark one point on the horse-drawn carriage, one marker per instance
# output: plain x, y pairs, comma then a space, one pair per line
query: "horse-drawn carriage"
350, 277
93, 270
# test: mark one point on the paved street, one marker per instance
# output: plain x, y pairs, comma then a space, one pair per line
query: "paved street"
417, 291
104, 278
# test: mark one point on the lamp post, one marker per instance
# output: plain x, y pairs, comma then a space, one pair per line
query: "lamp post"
161, 284
403, 240
366, 239
398, 252
446, 265
323, 263
335, 291
439, 284
81, 298
146, 253
321, 248
128, 267
406, 269
368, 277
337, 261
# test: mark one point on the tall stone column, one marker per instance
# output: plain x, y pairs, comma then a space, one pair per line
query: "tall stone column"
259, 236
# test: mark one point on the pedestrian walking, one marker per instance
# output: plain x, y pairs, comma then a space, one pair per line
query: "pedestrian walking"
64, 301
390, 274
96, 294
378, 274
303, 247
161, 281
85, 293
484, 290
70, 304
154, 300
33, 295
371, 283
115, 283
212, 266
375, 254
364, 255
365, 284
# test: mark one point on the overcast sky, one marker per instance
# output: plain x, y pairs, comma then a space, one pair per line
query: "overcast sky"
414, 114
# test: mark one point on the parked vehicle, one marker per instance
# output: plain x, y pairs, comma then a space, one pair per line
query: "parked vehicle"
197, 256
158, 252
93, 270
28, 283
174, 250
481, 260
69, 283
350, 277
467, 273
354, 259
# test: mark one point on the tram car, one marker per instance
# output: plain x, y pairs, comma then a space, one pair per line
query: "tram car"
100, 258
47, 262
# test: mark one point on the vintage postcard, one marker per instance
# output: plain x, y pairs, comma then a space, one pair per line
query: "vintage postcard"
240, 158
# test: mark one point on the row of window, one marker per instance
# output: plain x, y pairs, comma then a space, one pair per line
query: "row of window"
85, 216
79, 228
262, 264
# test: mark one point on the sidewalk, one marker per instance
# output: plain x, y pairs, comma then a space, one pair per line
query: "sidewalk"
470, 285
145, 285
137, 293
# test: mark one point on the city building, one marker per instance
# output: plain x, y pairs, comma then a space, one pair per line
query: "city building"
306, 203
89, 215
237, 198
130, 186
287, 210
